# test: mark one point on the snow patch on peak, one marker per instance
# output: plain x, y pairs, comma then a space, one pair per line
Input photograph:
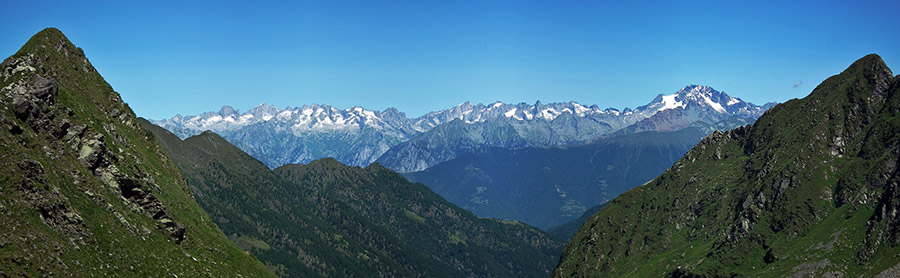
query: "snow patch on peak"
733, 101
528, 115
580, 110
714, 105
669, 102
549, 113
510, 113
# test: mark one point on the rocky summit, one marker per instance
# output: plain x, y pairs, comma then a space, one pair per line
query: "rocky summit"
809, 190
85, 190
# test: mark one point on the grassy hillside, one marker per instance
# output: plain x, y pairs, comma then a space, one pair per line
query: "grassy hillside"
567, 230
328, 219
810, 190
84, 190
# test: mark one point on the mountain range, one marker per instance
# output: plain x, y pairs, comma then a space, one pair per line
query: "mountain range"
358, 137
811, 189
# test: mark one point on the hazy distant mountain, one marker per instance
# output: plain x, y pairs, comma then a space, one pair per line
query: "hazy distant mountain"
547, 187
299, 135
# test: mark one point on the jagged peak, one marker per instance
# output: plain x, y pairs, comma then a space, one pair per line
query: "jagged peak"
696, 90
228, 110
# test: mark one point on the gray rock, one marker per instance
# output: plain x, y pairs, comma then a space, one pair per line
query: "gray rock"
23, 108
45, 89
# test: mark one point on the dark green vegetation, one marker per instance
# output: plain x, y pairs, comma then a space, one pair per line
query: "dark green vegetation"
546, 187
812, 189
566, 231
84, 190
328, 219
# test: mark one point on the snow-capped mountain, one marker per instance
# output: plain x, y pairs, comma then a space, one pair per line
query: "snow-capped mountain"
704, 97
477, 113
522, 125
299, 119
356, 136
694, 103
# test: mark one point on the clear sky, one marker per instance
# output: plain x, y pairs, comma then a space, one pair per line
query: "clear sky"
187, 57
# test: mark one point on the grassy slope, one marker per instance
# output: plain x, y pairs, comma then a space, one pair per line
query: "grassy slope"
797, 193
333, 220
117, 240
566, 231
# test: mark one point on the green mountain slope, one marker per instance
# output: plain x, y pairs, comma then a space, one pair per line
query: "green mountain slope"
546, 187
84, 191
810, 190
328, 219
567, 230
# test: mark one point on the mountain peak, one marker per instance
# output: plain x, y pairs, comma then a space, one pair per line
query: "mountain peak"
698, 90
465, 104
48, 37
870, 73
697, 95
227, 110
871, 62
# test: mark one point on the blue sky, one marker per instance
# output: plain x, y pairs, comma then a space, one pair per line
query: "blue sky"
168, 57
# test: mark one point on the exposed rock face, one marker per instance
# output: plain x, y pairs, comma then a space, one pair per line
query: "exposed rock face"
54, 208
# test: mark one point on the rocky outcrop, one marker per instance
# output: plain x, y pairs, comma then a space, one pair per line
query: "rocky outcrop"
33, 100
53, 207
